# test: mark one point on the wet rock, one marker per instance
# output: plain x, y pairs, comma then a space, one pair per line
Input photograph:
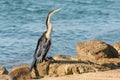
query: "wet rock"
3, 70
117, 47
20, 73
94, 50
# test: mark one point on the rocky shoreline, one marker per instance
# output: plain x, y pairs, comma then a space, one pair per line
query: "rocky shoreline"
92, 56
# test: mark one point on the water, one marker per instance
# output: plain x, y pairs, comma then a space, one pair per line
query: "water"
23, 21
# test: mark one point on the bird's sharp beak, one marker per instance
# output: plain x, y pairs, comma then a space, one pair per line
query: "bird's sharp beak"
57, 10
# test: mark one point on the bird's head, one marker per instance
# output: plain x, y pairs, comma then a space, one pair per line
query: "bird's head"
54, 11
49, 15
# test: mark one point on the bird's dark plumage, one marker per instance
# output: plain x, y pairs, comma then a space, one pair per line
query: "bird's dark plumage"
42, 48
44, 42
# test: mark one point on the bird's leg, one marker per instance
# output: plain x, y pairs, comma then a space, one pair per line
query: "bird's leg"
49, 58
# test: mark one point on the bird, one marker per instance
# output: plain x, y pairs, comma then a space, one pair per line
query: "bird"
44, 43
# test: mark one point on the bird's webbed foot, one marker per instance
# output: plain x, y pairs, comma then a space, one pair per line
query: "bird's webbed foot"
49, 58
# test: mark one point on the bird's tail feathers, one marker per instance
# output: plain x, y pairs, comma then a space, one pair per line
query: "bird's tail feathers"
33, 64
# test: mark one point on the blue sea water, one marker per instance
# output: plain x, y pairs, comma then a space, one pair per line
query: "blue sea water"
23, 21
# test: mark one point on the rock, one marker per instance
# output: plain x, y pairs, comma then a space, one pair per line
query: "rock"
20, 73
41, 70
3, 70
5, 77
62, 68
94, 50
63, 57
67, 69
117, 46
59, 67
106, 75
112, 63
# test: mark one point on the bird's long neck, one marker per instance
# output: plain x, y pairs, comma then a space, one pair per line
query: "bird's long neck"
49, 26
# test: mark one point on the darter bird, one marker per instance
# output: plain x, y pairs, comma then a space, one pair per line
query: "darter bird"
44, 43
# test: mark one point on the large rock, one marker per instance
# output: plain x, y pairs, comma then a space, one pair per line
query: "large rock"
117, 46
64, 66
69, 68
45, 69
94, 49
20, 73
106, 75
3, 70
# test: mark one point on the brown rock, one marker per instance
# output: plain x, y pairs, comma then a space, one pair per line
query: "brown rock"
63, 57
41, 70
20, 73
94, 49
62, 67
106, 75
3, 70
58, 67
117, 46
112, 63
5, 77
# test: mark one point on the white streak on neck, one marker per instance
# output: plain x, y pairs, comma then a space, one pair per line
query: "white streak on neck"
49, 27
49, 31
